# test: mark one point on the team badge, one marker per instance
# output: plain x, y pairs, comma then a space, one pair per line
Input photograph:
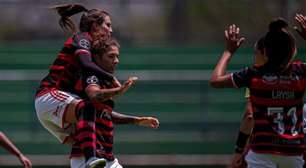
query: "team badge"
84, 43
92, 80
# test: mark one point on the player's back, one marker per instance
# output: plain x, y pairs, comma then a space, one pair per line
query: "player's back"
277, 101
65, 70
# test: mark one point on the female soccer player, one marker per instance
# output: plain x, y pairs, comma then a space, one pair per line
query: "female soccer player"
276, 94
96, 90
248, 120
56, 104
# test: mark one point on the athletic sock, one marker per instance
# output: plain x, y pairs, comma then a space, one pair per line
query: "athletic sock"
86, 115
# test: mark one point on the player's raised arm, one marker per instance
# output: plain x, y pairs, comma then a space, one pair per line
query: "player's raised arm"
301, 20
120, 118
219, 78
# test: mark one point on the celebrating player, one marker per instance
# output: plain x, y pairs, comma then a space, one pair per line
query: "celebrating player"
276, 94
56, 104
248, 121
100, 92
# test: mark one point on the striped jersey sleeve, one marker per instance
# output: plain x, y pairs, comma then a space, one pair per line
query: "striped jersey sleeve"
81, 41
242, 78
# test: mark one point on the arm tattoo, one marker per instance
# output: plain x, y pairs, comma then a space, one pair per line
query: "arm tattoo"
103, 95
119, 118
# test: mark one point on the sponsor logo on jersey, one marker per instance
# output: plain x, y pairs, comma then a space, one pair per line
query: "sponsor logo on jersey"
92, 80
84, 43
283, 79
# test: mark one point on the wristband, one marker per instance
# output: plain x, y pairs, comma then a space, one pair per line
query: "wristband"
241, 142
238, 150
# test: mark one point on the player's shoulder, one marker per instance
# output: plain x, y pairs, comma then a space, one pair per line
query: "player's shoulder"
82, 40
251, 70
92, 79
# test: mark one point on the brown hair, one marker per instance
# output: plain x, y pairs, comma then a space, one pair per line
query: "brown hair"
108, 43
87, 19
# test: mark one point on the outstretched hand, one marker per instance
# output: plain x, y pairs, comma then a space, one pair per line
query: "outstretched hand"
148, 122
116, 82
127, 84
25, 161
301, 19
233, 39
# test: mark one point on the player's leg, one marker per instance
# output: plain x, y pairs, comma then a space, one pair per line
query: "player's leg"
55, 108
85, 133
51, 109
71, 114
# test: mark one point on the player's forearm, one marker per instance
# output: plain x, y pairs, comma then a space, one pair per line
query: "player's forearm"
219, 73
102, 95
8, 145
87, 64
247, 123
246, 128
119, 118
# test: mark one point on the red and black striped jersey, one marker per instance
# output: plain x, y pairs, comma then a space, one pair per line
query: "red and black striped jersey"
104, 124
65, 70
104, 137
90, 78
277, 102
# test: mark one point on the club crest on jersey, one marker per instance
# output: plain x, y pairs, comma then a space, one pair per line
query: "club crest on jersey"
270, 79
92, 80
84, 43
